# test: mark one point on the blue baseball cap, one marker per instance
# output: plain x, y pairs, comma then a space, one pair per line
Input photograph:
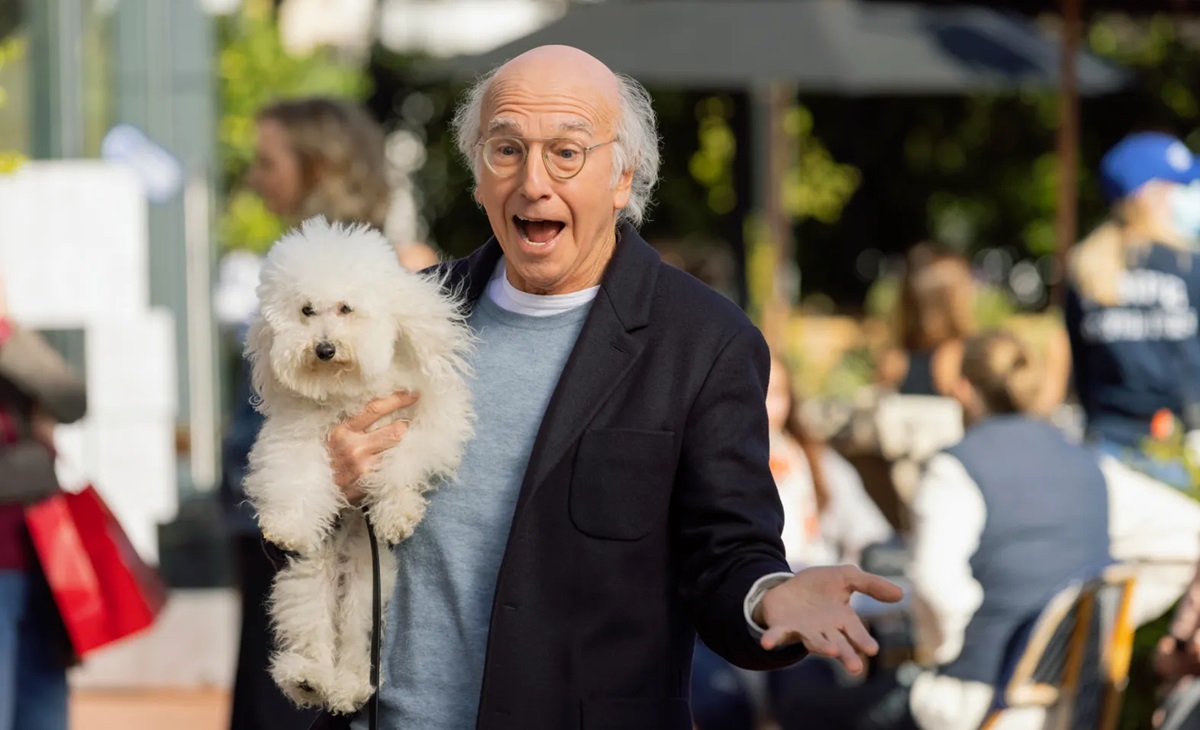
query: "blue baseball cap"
1146, 156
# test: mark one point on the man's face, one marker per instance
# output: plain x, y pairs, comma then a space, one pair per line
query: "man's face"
557, 235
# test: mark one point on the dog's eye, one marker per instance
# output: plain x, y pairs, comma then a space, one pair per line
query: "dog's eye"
307, 310
345, 309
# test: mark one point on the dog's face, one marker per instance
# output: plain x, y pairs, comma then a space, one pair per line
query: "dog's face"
327, 328
330, 343
338, 315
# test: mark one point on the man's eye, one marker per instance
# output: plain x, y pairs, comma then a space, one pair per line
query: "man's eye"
507, 151
307, 310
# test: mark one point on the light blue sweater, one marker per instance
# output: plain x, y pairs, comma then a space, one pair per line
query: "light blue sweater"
437, 623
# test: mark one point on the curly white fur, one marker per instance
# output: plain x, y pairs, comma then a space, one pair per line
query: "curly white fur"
339, 292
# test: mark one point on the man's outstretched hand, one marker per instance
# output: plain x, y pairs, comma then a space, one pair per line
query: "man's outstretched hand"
813, 608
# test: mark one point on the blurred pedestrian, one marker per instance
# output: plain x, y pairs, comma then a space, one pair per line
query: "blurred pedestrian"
37, 391
1131, 309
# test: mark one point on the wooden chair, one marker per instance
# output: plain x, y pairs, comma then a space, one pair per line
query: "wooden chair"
1075, 663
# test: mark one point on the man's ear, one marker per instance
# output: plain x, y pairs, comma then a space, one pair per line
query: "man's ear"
623, 190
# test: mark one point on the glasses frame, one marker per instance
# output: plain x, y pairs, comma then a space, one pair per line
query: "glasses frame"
524, 143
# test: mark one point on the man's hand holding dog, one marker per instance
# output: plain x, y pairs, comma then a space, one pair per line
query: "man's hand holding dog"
355, 448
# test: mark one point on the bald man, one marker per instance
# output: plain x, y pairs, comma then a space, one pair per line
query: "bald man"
616, 498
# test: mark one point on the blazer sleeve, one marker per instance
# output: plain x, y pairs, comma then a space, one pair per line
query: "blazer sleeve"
728, 517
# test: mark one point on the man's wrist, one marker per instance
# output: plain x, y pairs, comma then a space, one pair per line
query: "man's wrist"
752, 607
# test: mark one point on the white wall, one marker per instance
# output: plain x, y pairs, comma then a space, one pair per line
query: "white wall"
74, 254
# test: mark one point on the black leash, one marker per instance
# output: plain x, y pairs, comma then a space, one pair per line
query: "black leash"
376, 626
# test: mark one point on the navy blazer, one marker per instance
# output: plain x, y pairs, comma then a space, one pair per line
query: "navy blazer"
647, 511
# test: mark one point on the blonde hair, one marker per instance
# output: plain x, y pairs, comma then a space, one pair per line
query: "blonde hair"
1001, 370
340, 150
1096, 264
936, 299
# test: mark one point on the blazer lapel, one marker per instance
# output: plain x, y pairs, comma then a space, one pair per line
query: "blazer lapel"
608, 345
471, 275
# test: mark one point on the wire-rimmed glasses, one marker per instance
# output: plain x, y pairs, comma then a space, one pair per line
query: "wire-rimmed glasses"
564, 158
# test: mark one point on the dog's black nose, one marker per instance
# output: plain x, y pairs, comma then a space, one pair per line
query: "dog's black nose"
325, 350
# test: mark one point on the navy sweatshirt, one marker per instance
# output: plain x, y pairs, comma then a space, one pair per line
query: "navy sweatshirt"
1142, 355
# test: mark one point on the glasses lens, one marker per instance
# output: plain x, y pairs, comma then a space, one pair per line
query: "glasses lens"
504, 155
565, 157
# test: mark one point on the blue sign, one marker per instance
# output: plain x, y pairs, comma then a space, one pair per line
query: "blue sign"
160, 171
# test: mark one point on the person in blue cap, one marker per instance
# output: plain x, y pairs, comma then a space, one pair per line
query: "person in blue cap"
1131, 308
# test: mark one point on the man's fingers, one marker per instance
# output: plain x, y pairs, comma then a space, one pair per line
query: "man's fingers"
858, 635
385, 438
846, 653
379, 408
878, 588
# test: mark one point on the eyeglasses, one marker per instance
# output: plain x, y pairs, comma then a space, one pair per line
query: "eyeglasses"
564, 158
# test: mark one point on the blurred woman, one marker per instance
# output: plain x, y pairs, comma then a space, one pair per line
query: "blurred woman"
1131, 310
935, 313
828, 516
313, 156
1002, 520
320, 156
37, 391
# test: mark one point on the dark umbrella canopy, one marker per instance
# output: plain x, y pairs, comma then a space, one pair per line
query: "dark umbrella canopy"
837, 46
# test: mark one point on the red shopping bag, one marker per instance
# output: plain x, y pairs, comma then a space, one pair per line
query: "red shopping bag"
103, 589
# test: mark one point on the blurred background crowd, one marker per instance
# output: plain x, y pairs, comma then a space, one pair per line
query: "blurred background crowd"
876, 182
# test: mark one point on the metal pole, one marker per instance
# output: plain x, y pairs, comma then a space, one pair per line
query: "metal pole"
57, 62
774, 154
201, 344
1066, 222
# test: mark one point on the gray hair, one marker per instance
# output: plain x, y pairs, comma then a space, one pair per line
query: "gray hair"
635, 147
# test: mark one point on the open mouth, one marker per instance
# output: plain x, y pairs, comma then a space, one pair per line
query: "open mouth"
536, 231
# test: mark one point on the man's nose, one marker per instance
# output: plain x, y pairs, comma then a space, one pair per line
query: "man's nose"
325, 350
535, 178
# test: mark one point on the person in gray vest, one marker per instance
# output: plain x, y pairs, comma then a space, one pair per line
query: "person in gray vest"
1001, 521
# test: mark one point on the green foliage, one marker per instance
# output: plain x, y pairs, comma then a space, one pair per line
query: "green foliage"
815, 186
255, 69
712, 163
12, 49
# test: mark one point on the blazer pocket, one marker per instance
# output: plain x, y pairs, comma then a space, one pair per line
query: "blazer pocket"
637, 713
622, 482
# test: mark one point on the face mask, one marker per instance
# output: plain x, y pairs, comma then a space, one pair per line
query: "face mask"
1184, 203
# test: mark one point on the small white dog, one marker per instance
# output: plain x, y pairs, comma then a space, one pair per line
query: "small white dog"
340, 323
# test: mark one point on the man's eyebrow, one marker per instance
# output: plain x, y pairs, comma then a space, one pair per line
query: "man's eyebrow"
576, 125
503, 124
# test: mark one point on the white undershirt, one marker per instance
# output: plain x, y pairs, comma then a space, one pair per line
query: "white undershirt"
506, 296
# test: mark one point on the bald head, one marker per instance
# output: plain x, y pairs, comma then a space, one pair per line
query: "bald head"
561, 68
585, 93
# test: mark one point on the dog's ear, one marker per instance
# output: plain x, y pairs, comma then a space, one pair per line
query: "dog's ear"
437, 338
258, 351
438, 346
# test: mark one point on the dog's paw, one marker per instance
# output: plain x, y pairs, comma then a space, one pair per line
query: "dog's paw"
305, 682
293, 533
395, 516
348, 694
